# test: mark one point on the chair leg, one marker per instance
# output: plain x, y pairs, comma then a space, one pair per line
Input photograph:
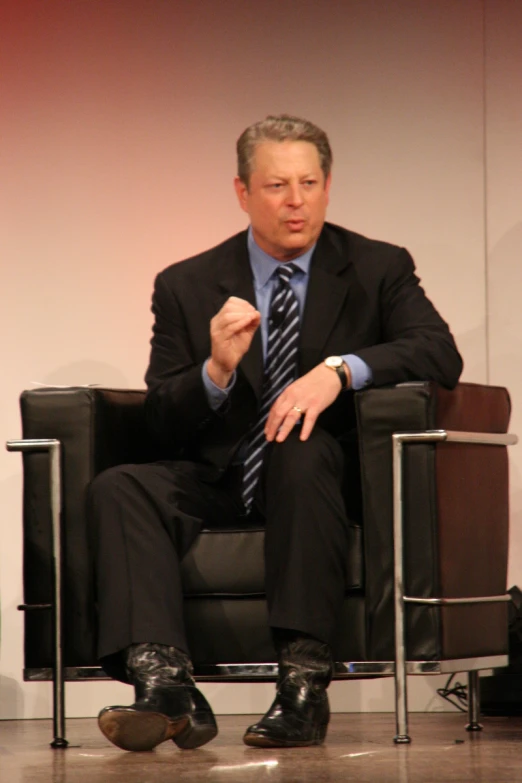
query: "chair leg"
401, 694
401, 709
473, 702
59, 740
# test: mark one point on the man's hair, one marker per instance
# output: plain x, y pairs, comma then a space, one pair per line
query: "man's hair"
280, 127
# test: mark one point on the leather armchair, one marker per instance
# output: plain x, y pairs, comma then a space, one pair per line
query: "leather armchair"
449, 509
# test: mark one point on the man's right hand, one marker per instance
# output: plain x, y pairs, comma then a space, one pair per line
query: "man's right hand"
231, 333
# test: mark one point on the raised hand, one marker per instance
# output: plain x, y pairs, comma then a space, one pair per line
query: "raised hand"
231, 333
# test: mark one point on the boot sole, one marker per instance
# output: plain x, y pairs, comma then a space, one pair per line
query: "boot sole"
138, 731
198, 731
262, 741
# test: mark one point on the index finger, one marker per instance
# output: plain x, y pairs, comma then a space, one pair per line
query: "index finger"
276, 416
242, 304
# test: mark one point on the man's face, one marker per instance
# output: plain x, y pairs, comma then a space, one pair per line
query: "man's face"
286, 198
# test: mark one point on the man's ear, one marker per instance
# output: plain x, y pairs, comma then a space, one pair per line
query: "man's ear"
241, 193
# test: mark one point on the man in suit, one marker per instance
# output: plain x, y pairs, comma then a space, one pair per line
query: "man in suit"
257, 347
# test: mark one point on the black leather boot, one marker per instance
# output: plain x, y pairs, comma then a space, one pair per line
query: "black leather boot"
300, 712
168, 705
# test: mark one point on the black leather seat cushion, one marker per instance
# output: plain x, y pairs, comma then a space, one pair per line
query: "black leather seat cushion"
231, 562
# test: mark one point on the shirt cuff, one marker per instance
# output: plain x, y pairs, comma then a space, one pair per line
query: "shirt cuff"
361, 373
216, 396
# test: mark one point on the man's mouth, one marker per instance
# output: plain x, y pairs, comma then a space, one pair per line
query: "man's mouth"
296, 224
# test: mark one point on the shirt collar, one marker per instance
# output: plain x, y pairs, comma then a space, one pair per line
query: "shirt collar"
264, 266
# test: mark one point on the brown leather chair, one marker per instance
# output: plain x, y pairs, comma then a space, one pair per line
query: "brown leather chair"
442, 502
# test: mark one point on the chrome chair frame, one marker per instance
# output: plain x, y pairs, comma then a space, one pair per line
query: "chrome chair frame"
399, 668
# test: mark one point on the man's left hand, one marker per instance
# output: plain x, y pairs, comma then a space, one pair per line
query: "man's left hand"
307, 397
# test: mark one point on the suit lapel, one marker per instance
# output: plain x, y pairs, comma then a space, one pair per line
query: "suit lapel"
327, 293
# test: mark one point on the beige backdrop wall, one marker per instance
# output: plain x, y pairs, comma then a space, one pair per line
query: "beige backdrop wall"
504, 230
119, 122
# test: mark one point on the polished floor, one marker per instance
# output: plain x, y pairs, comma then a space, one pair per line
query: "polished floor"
359, 748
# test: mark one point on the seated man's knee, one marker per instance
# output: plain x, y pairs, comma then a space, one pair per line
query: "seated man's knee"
300, 461
110, 482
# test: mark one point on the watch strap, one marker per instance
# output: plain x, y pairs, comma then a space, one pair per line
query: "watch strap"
341, 372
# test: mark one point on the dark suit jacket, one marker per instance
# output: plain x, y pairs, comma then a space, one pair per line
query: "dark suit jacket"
363, 297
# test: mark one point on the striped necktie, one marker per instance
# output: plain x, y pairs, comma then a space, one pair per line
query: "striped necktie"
280, 371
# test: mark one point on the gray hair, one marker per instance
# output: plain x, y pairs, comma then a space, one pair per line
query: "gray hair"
281, 127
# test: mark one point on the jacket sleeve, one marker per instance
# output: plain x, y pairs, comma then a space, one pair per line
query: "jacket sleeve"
176, 406
417, 344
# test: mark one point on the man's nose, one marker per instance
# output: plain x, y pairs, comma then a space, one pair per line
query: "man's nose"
295, 195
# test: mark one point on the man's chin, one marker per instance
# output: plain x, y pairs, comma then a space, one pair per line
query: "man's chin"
288, 245
297, 243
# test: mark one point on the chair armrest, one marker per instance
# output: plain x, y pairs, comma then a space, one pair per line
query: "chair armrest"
97, 428
456, 511
101, 427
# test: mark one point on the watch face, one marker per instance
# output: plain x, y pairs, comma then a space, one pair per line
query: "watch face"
333, 361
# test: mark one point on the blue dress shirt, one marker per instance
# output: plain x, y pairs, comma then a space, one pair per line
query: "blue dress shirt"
263, 270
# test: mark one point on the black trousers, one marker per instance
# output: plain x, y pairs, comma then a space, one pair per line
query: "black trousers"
144, 518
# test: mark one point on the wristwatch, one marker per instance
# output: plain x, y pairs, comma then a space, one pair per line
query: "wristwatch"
336, 363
